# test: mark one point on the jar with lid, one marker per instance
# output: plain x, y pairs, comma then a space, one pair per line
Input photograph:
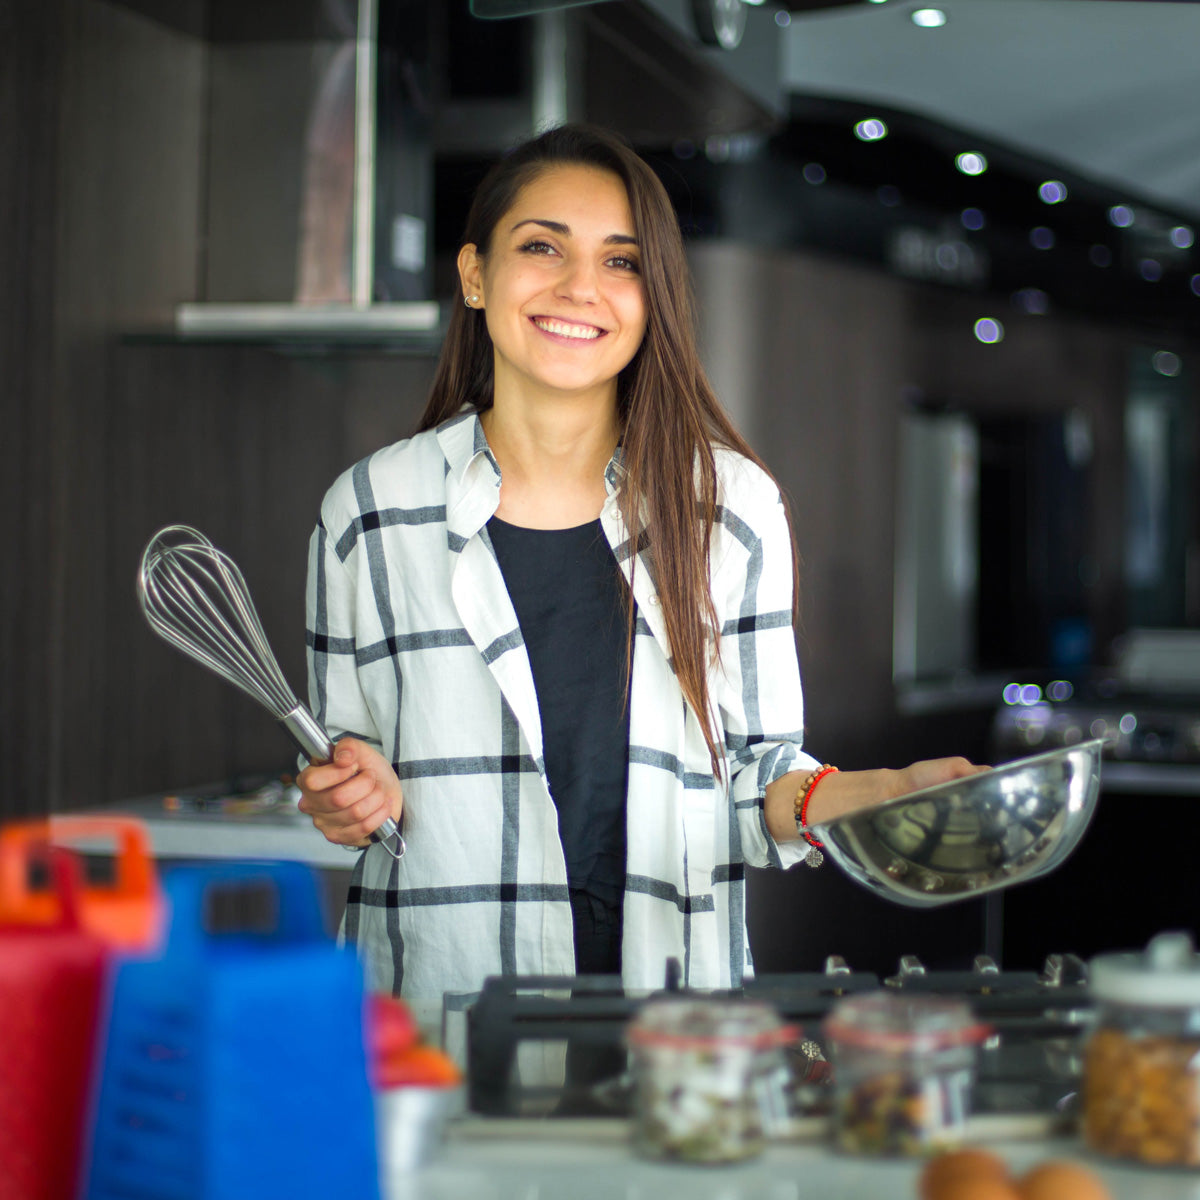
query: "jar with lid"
1141, 1069
904, 1068
709, 1076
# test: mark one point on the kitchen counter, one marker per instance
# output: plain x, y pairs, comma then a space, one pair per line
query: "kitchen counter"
590, 1159
218, 827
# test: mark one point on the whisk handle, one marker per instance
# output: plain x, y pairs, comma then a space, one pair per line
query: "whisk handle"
309, 734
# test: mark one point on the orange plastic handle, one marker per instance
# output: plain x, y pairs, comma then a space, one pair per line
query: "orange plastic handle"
128, 913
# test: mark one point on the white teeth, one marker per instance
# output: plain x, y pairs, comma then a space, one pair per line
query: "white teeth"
587, 332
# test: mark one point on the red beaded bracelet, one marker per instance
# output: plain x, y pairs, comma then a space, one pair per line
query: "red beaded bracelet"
804, 795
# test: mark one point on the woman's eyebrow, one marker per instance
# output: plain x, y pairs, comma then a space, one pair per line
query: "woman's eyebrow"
614, 239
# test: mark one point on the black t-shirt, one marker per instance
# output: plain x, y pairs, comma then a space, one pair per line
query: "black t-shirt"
567, 590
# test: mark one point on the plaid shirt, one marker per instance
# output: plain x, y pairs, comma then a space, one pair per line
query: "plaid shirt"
413, 645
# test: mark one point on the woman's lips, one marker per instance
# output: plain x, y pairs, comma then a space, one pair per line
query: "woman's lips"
568, 329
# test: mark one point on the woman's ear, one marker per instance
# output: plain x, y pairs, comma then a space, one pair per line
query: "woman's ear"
470, 275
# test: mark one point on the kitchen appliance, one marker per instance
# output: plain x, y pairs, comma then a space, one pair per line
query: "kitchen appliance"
1029, 1065
974, 835
195, 597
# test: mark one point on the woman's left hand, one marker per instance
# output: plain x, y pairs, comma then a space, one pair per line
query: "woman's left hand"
928, 773
844, 791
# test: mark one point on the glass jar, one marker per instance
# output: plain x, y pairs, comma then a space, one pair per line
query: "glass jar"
708, 1076
1141, 1070
904, 1067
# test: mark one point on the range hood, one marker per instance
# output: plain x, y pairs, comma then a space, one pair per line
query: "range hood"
307, 232
324, 118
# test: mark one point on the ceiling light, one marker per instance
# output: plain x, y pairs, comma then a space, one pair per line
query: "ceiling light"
783, 19
1121, 215
1150, 269
1052, 192
1042, 238
814, 173
928, 18
1195, 285
972, 218
1100, 256
1033, 301
870, 130
889, 195
971, 163
1182, 237
989, 331
1166, 363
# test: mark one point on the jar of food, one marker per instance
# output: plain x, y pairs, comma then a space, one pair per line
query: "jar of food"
904, 1067
1141, 1072
708, 1075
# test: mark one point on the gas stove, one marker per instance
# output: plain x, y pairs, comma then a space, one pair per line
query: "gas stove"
1030, 1063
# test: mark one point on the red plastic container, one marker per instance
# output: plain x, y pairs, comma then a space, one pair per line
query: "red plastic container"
52, 982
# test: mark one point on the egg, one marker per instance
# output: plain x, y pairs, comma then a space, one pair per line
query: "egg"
943, 1175
977, 1187
1061, 1181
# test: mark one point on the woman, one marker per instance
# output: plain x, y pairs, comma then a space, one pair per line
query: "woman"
555, 627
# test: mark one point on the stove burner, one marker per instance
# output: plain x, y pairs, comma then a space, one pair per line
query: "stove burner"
1030, 1063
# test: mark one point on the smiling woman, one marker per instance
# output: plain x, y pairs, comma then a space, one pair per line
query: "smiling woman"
562, 614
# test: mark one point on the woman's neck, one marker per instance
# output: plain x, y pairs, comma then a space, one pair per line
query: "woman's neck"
552, 459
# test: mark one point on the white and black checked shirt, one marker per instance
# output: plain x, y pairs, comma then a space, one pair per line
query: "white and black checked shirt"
414, 646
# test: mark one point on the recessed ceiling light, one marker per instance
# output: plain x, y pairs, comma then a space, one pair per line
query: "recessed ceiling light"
1166, 363
1121, 215
1182, 237
1052, 192
928, 18
870, 130
989, 331
971, 163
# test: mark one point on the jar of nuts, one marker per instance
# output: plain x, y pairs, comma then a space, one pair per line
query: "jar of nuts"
904, 1066
708, 1077
1141, 1075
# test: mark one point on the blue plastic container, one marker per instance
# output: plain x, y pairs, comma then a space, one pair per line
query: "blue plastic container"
234, 1066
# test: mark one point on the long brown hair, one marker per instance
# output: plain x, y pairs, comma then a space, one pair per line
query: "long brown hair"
670, 418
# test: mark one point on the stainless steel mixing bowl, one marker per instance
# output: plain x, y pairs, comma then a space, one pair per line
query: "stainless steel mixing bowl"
974, 835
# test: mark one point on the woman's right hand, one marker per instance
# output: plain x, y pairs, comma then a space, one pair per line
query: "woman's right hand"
350, 797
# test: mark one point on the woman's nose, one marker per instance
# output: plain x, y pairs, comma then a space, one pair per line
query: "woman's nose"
578, 281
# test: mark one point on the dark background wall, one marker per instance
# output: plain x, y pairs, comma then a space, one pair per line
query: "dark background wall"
111, 431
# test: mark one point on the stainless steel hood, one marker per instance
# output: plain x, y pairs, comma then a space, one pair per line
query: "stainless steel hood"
331, 195
324, 119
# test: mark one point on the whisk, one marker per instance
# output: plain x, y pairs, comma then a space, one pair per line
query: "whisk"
195, 598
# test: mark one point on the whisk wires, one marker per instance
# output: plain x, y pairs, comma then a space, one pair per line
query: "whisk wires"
196, 598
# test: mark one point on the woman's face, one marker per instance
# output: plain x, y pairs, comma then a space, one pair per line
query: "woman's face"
561, 285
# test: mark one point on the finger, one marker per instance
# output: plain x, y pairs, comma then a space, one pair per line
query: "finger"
351, 827
324, 776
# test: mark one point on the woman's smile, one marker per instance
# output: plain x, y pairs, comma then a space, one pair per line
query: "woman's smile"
567, 330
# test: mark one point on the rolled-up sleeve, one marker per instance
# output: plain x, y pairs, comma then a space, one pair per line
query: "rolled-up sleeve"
757, 680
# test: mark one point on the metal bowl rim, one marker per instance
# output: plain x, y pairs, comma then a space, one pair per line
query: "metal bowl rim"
1017, 764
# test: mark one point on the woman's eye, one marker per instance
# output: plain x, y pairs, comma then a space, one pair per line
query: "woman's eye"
537, 246
624, 264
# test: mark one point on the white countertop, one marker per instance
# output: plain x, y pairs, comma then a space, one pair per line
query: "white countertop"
590, 1159
281, 832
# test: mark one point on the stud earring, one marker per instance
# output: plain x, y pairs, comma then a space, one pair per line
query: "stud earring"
470, 301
